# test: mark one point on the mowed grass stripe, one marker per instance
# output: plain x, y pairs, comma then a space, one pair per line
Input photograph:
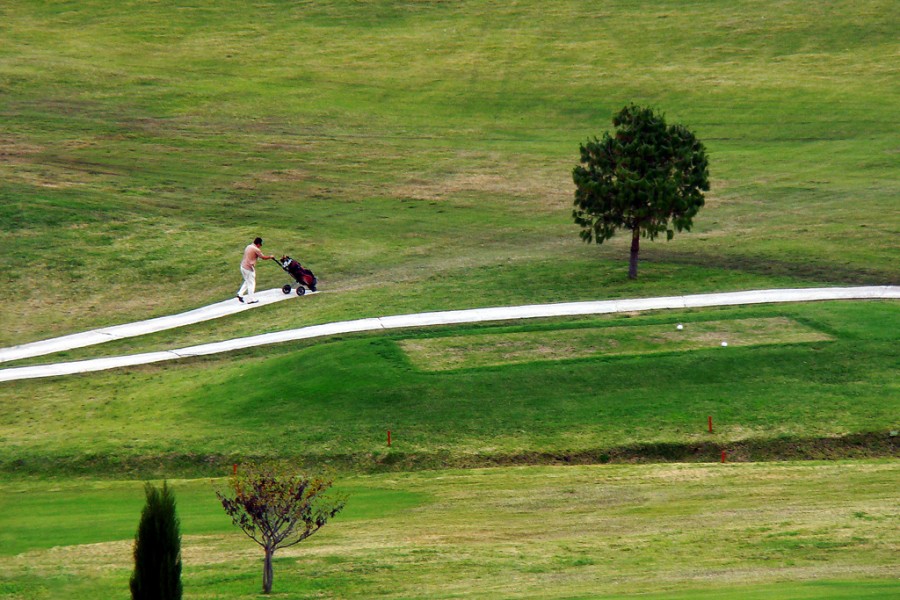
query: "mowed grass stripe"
471, 351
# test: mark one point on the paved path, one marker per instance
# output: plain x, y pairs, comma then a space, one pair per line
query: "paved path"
503, 313
107, 334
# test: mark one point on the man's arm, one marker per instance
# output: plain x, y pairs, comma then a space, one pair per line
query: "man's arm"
259, 254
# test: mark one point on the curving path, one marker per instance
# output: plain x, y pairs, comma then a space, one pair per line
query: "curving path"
118, 332
475, 315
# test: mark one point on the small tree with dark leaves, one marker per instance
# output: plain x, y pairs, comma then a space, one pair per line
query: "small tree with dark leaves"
278, 507
157, 548
647, 178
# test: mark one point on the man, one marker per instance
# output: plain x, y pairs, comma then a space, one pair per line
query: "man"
252, 253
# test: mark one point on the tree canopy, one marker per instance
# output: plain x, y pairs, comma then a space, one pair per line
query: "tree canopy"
648, 177
157, 548
277, 507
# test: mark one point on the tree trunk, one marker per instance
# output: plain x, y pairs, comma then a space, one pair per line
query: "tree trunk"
635, 248
267, 571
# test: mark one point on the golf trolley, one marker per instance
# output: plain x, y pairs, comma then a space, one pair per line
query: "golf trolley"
303, 277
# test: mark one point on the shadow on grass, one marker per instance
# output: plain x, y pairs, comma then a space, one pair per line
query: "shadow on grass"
812, 271
880, 444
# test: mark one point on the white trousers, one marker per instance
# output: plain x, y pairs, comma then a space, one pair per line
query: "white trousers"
249, 286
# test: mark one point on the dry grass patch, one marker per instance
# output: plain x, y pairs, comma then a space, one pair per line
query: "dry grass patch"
483, 350
26, 163
556, 191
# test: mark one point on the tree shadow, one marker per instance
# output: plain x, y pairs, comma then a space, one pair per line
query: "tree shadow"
822, 272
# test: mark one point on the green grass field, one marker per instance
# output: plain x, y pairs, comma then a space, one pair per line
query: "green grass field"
417, 156
335, 400
426, 146
814, 530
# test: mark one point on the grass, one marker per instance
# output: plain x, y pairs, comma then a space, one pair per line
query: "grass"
371, 138
72, 512
824, 530
500, 284
473, 351
334, 400
417, 156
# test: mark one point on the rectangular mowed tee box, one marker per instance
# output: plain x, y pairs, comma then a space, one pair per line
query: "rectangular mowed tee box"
492, 349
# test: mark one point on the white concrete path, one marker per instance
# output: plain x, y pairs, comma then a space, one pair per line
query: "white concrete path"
107, 334
503, 313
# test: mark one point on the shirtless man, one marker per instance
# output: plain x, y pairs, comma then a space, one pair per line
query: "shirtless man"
248, 269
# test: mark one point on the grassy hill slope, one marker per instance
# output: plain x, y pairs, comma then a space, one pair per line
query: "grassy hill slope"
612, 388
424, 143
417, 155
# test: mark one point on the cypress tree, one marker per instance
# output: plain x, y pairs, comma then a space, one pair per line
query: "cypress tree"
157, 548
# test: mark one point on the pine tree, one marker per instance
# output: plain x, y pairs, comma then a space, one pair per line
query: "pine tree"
647, 178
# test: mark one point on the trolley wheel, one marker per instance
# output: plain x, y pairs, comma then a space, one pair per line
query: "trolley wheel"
286, 289
300, 290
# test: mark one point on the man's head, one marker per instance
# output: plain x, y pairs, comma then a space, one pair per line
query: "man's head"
258, 242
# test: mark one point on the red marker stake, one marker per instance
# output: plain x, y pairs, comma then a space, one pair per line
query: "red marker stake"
723, 456
709, 421
389, 438
235, 468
